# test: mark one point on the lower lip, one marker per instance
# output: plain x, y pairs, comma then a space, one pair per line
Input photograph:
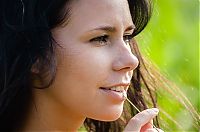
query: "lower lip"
113, 95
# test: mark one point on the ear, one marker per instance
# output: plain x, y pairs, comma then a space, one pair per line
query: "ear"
35, 67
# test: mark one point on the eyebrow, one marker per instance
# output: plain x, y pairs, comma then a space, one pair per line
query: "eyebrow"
112, 29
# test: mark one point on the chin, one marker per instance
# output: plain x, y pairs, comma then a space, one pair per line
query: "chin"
108, 115
111, 117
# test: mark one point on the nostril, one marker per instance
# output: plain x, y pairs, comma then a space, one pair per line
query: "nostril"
127, 68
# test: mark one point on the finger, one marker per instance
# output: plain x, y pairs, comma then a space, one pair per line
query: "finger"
151, 121
147, 126
141, 119
154, 130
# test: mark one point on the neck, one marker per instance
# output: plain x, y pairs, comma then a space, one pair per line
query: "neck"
48, 114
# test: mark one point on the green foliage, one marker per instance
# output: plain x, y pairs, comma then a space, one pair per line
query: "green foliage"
171, 40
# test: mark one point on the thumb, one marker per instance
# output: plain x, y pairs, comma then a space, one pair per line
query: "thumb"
140, 119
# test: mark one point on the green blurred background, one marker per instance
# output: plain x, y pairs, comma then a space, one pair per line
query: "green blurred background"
171, 41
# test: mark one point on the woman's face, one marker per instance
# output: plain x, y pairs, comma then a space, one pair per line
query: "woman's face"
94, 59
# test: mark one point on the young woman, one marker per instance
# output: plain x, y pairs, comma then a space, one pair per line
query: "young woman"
66, 62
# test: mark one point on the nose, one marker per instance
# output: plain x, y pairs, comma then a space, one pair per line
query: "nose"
125, 60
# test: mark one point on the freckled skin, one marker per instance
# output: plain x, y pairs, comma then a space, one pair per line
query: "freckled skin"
85, 66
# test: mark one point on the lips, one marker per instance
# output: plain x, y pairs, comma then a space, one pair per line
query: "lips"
115, 94
115, 88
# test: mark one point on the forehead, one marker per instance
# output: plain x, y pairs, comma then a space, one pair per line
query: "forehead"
98, 12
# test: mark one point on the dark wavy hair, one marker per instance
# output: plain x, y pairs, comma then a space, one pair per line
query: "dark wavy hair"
26, 43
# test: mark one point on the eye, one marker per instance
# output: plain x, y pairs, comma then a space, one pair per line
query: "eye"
127, 38
101, 40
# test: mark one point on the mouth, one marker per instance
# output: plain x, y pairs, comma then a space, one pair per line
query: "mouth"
115, 88
115, 93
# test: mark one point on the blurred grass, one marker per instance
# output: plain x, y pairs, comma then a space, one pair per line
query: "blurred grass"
171, 40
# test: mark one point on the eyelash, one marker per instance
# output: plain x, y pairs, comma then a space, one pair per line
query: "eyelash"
127, 38
103, 40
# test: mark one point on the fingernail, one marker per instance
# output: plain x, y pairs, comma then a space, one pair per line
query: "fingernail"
153, 111
156, 110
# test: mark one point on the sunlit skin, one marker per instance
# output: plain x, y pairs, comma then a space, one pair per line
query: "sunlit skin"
94, 52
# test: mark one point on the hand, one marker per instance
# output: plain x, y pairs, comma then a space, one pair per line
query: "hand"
142, 122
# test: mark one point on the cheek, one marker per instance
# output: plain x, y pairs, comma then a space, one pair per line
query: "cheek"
89, 66
80, 73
